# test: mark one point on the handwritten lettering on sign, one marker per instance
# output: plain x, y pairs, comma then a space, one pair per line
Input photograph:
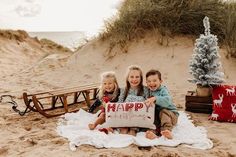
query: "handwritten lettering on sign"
130, 114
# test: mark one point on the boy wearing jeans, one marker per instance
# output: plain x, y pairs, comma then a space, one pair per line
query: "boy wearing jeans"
166, 114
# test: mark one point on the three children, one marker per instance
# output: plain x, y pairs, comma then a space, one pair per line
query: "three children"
166, 114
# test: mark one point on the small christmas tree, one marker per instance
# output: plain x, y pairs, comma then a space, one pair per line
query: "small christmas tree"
205, 64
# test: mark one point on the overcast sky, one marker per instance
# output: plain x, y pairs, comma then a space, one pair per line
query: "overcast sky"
56, 15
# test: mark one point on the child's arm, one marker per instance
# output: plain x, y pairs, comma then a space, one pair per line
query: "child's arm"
121, 96
164, 99
150, 101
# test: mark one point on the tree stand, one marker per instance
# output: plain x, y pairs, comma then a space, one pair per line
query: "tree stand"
198, 104
203, 91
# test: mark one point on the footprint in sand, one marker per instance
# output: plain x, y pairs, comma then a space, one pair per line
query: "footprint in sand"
43, 127
222, 153
36, 119
42, 122
31, 142
59, 141
3, 151
46, 136
87, 76
22, 138
216, 142
28, 128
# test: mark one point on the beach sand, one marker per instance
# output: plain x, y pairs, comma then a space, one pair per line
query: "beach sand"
27, 66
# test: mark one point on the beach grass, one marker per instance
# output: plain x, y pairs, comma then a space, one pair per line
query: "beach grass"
53, 45
230, 29
171, 17
19, 35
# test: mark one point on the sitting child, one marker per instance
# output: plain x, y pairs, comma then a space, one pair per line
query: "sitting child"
166, 114
133, 92
109, 92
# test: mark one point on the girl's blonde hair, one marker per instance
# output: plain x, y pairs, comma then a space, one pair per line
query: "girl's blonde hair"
140, 86
109, 75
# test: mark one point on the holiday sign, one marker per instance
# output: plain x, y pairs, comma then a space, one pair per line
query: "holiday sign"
130, 114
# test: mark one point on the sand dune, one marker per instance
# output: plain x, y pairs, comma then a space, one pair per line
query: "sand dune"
26, 66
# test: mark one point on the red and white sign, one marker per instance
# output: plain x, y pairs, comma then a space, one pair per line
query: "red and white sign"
130, 114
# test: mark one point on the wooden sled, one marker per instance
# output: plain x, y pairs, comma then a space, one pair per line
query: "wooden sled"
47, 103
198, 104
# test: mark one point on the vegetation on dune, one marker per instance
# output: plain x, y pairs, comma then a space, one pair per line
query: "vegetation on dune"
230, 29
21, 36
52, 45
18, 35
171, 17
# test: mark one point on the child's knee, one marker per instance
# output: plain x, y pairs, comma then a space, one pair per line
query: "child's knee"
102, 114
163, 111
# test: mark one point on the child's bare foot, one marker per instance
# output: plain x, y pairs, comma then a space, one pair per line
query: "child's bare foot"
110, 130
91, 126
167, 134
132, 132
123, 130
150, 135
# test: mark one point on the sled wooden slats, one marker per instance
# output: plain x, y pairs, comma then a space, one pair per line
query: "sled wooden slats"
198, 104
46, 103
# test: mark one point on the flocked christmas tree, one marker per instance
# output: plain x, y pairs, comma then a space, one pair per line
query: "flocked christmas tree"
205, 64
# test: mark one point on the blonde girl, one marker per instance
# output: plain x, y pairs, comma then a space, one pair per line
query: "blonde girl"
109, 92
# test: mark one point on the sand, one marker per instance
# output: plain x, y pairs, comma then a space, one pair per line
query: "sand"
27, 66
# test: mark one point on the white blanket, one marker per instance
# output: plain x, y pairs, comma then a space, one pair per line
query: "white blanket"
74, 127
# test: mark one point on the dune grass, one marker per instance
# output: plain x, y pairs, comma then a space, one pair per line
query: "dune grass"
52, 45
169, 18
21, 36
18, 35
230, 29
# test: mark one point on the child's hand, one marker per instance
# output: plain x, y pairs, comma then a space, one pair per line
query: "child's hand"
105, 99
150, 101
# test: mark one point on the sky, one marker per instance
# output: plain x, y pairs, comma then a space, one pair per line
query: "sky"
57, 15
